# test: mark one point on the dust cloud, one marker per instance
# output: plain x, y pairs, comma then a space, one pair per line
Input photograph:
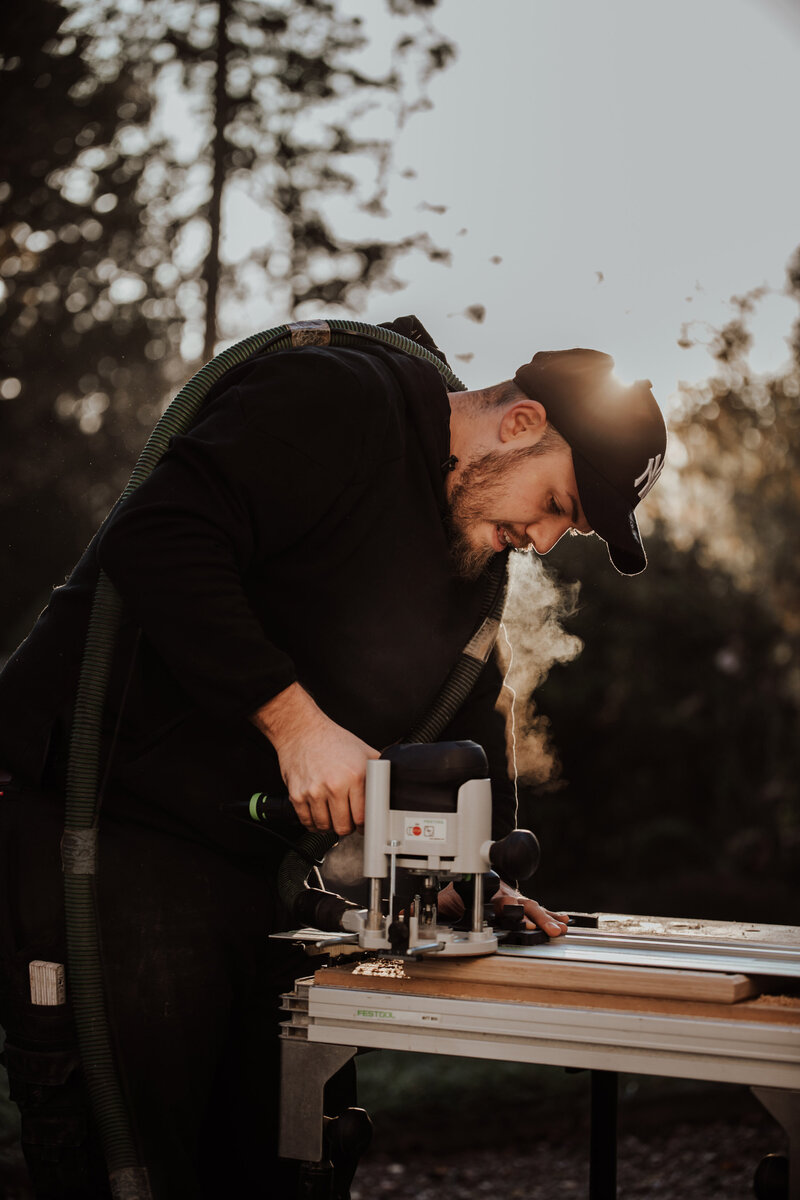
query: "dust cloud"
344, 864
534, 640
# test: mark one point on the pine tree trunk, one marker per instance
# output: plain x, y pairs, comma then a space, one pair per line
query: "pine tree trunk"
211, 266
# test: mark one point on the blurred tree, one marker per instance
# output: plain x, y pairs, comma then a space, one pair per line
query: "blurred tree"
738, 479
278, 101
81, 373
112, 260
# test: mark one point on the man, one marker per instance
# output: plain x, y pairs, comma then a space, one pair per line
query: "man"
298, 575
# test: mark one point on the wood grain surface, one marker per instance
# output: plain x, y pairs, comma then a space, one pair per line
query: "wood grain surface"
587, 985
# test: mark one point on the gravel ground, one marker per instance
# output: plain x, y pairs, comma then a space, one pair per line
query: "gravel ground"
659, 1156
712, 1160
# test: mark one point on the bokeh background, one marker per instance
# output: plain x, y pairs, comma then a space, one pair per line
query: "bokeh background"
521, 175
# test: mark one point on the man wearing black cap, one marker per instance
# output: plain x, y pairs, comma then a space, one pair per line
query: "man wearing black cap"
566, 447
298, 575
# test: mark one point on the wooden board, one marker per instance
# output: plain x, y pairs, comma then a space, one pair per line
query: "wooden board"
764, 1009
593, 985
474, 974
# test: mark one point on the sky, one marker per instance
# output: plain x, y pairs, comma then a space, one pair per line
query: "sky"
603, 171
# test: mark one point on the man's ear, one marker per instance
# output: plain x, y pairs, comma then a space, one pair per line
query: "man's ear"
524, 422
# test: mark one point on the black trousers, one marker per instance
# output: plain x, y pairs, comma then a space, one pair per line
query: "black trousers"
193, 985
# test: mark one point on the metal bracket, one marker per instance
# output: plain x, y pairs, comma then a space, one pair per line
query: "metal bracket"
305, 1069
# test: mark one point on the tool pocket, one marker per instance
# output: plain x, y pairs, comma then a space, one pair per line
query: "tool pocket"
41, 1084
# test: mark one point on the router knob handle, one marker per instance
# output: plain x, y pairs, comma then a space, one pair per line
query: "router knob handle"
516, 856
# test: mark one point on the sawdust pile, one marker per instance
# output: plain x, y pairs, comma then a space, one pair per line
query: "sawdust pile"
384, 968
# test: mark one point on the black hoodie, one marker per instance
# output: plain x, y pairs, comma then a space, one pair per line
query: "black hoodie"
296, 532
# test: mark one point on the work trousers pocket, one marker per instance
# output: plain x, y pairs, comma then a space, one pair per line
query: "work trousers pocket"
47, 1086
41, 1052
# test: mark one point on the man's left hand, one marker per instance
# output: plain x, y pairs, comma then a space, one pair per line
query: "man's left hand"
554, 924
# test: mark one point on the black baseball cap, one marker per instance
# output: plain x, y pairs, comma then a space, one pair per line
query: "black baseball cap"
617, 436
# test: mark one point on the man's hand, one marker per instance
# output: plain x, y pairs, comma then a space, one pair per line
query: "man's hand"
451, 907
323, 766
536, 917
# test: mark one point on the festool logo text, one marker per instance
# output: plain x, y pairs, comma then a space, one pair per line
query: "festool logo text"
375, 1012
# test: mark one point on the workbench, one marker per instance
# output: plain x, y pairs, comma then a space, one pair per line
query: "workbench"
697, 1000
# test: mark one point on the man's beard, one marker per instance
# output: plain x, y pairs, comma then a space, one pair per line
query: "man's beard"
468, 559
471, 500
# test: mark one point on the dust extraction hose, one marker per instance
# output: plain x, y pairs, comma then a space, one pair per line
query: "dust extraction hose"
127, 1175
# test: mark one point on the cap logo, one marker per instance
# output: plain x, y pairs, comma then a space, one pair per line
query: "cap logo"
649, 475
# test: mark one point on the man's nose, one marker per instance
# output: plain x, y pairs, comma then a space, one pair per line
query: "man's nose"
543, 535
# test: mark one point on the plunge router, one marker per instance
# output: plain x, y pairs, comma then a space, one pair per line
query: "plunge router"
427, 822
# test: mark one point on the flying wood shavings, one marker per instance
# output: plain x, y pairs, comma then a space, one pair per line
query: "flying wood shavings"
424, 206
465, 358
375, 207
473, 312
495, 259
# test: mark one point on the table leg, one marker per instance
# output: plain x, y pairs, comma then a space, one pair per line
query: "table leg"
305, 1069
603, 1136
784, 1106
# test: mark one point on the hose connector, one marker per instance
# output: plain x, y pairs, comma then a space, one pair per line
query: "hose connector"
79, 851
